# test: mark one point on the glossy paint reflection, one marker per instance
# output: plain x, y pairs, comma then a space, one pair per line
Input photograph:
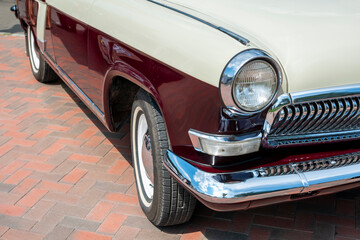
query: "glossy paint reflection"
71, 52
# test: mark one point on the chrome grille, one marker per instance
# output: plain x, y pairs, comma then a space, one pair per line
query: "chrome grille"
326, 120
312, 165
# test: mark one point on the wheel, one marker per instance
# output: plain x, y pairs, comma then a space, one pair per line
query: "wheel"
164, 201
40, 69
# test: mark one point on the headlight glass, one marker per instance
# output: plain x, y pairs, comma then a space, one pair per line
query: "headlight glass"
255, 85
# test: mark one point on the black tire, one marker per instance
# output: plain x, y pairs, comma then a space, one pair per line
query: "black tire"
39, 67
170, 204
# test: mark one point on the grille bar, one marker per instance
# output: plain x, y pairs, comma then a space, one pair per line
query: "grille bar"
328, 116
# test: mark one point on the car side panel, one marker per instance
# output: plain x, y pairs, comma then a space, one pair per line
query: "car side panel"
22, 9
71, 48
185, 101
177, 40
179, 61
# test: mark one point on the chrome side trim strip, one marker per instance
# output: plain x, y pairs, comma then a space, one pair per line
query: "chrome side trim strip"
75, 87
244, 186
237, 37
91, 103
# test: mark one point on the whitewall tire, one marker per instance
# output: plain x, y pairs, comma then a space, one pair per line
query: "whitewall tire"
164, 201
40, 69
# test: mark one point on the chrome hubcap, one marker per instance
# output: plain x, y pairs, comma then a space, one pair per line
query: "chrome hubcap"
145, 156
34, 52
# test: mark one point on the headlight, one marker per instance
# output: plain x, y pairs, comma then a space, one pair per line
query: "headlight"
255, 85
250, 82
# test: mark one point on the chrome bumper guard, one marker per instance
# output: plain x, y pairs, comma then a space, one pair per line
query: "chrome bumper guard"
225, 145
261, 183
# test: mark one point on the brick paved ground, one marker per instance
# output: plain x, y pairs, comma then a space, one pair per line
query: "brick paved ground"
63, 176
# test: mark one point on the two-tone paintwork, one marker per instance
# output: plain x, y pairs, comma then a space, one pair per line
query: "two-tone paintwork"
177, 59
91, 59
172, 38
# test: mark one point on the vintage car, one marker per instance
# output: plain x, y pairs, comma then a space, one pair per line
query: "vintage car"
237, 104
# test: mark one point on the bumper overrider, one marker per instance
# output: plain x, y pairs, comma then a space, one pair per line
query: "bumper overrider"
236, 190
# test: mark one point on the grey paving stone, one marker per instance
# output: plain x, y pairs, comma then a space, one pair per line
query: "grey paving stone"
146, 234
59, 233
6, 187
139, 222
16, 222
213, 234
69, 210
111, 187
80, 224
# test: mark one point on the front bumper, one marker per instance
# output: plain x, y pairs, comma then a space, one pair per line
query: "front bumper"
294, 179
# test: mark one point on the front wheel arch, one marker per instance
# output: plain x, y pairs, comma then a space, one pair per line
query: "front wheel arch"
123, 73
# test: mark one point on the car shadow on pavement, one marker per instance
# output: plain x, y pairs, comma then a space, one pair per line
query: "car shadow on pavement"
119, 139
313, 218
14, 29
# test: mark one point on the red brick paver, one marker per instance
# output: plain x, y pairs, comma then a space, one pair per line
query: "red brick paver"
64, 176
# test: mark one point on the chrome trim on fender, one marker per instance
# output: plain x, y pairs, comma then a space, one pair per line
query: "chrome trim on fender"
244, 186
232, 69
237, 37
326, 93
225, 145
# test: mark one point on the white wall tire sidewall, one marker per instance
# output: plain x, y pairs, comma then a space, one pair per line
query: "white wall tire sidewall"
139, 183
35, 66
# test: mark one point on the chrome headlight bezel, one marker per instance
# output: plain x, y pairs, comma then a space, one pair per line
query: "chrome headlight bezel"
232, 70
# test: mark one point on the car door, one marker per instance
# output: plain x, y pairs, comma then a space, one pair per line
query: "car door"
70, 40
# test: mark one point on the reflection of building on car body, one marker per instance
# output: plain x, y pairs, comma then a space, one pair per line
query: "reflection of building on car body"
237, 104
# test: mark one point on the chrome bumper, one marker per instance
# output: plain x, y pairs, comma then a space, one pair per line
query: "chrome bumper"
244, 186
